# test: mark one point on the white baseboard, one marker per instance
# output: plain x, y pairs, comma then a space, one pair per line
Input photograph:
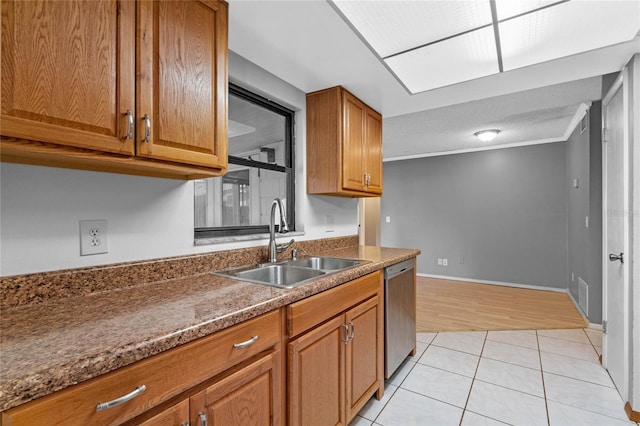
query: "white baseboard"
502, 283
595, 326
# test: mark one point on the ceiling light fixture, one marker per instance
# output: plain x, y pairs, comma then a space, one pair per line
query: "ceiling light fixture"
487, 135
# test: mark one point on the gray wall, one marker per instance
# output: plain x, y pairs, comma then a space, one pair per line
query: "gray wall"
497, 215
584, 243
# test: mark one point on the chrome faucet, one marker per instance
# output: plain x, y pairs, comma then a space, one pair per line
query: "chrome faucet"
274, 249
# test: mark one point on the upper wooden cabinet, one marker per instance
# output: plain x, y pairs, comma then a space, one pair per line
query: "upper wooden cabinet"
344, 145
121, 86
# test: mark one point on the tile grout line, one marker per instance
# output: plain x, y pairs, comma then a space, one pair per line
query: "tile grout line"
544, 388
473, 379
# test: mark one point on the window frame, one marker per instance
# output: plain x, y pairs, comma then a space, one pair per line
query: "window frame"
288, 169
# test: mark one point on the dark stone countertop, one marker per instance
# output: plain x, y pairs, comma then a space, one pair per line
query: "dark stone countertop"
50, 346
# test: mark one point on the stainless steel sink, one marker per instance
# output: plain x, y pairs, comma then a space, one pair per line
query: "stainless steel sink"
290, 273
277, 275
280, 275
324, 263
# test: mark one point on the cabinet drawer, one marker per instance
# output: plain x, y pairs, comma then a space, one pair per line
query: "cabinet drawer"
164, 376
316, 309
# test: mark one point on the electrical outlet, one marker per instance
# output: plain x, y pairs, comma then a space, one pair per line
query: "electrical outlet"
93, 237
331, 221
445, 262
440, 261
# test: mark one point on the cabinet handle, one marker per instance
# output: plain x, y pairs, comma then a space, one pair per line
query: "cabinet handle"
346, 333
147, 128
115, 402
245, 343
353, 330
203, 419
129, 115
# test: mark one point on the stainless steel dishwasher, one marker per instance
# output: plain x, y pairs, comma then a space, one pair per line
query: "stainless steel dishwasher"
399, 314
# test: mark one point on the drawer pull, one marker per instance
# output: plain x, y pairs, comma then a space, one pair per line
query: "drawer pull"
246, 343
203, 419
115, 402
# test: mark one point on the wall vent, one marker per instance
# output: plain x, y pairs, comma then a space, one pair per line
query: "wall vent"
583, 296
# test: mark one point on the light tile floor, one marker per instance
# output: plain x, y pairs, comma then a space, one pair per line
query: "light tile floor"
528, 377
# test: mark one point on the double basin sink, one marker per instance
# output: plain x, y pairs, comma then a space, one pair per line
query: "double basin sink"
289, 273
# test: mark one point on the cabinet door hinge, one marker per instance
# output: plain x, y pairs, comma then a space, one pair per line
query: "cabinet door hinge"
604, 327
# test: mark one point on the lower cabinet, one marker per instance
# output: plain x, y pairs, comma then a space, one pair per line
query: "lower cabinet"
335, 366
249, 396
232, 377
176, 415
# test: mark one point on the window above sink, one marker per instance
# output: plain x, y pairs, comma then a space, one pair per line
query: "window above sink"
261, 167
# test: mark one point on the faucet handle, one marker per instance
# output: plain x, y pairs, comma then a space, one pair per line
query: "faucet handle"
294, 253
282, 247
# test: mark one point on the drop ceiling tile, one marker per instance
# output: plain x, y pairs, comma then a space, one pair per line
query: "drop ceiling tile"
466, 57
567, 29
391, 27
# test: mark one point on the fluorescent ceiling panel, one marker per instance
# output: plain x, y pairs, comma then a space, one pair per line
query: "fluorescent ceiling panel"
466, 57
510, 8
567, 29
391, 27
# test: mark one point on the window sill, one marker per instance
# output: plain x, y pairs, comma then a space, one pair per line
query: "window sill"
237, 238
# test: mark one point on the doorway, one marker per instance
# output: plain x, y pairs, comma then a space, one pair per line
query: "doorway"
615, 236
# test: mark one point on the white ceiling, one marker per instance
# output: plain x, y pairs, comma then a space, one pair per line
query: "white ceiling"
431, 44
308, 44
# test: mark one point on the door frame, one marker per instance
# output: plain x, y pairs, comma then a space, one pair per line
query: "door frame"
621, 83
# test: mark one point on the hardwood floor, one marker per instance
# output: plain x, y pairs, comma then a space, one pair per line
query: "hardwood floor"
446, 305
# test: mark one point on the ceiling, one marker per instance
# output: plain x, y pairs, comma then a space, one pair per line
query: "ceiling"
311, 45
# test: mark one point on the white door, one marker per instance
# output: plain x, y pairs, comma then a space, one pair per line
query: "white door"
615, 345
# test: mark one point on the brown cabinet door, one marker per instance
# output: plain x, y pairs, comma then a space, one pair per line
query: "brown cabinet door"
353, 138
177, 415
373, 151
316, 376
250, 396
68, 72
182, 82
362, 356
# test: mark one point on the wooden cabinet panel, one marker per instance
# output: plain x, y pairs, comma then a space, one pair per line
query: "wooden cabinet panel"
182, 78
364, 355
177, 415
68, 72
352, 158
373, 151
250, 396
316, 376
344, 145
